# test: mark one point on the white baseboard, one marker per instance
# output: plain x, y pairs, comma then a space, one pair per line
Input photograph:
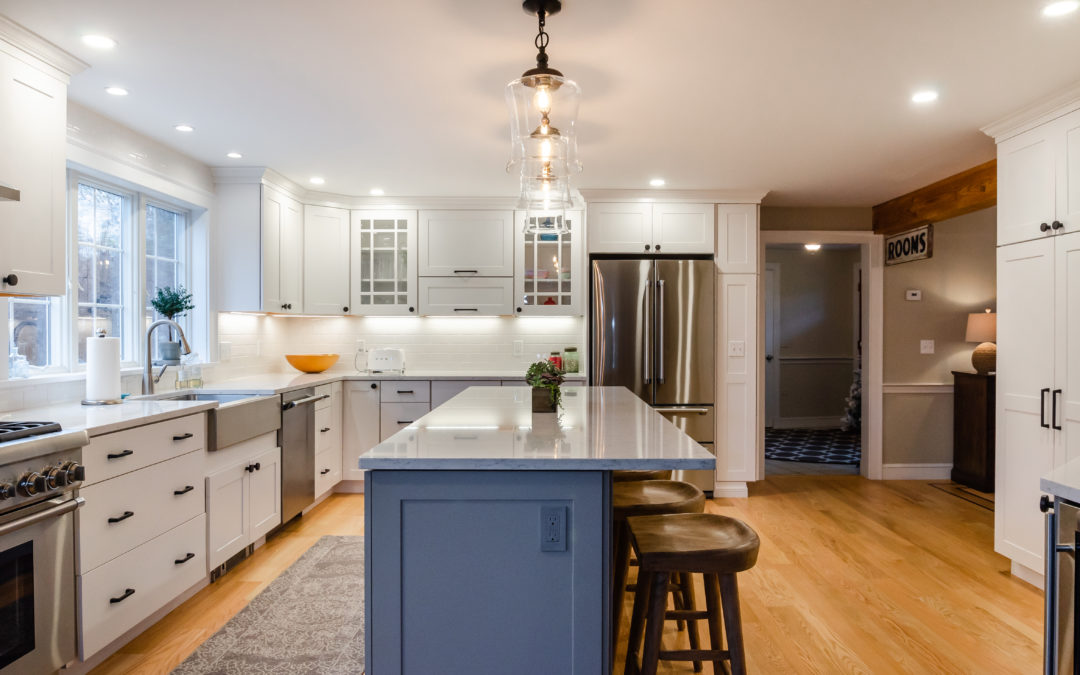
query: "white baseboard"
733, 490
350, 487
1025, 573
916, 471
827, 422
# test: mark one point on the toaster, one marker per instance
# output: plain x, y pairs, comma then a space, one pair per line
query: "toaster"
386, 360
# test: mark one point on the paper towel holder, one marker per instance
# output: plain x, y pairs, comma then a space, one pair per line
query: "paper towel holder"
101, 332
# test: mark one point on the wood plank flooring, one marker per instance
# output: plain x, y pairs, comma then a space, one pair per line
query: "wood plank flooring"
854, 576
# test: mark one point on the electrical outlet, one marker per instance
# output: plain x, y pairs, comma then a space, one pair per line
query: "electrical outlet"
926, 346
519, 347
914, 295
736, 348
224, 351
552, 528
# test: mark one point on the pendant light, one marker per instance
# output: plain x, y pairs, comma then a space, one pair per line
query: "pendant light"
543, 112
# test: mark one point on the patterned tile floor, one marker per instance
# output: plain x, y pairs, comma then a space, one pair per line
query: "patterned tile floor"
825, 446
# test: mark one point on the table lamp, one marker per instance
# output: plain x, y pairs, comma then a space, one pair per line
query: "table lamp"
982, 328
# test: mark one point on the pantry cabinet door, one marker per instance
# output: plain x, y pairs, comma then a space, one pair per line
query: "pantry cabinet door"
621, 228
1065, 406
326, 260
737, 238
1026, 186
466, 243
1068, 174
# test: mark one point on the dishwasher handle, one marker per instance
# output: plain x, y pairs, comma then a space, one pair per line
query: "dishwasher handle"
303, 401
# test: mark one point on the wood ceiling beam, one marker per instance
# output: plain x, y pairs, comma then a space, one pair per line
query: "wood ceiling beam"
954, 196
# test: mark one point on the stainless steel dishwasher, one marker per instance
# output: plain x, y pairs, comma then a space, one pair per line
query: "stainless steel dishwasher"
297, 440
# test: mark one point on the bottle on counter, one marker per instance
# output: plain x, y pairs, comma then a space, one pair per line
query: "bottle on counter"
556, 359
571, 360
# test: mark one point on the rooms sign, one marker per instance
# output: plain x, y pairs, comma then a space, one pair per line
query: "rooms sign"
917, 244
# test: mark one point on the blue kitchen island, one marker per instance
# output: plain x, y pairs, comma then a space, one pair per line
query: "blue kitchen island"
488, 530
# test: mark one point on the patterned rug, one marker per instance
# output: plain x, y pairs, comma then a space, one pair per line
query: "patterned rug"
820, 446
309, 620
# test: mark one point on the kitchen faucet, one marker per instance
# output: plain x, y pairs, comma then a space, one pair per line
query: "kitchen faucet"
148, 378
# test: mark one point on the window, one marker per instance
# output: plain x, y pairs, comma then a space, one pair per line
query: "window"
166, 239
104, 277
35, 332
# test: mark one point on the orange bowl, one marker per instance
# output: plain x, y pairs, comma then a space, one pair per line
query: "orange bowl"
312, 363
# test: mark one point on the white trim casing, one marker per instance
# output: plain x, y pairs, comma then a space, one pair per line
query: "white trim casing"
1035, 115
596, 196
1025, 573
916, 471
730, 491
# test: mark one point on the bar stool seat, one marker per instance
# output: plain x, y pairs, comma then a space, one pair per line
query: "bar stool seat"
645, 474
715, 546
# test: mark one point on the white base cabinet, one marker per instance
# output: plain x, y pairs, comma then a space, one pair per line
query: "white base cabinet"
361, 426
243, 496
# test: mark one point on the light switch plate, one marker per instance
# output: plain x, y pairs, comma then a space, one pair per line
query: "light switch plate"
913, 295
926, 346
519, 347
224, 351
736, 348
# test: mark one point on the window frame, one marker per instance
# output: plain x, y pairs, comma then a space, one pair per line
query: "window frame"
184, 261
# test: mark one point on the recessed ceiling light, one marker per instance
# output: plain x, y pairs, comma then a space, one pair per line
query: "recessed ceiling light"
184, 127
116, 91
376, 192
98, 41
1061, 8
316, 180
924, 96
234, 155
812, 247
657, 182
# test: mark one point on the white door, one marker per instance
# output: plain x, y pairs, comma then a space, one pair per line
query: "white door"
383, 263
685, 228
1065, 406
361, 426
466, 243
1068, 172
32, 160
1025, 377
772, 343
227, 513
737, 238
453, 296
326, 260
265, 492
1026, 186
620, 228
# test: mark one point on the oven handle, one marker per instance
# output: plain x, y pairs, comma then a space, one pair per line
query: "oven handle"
53, 512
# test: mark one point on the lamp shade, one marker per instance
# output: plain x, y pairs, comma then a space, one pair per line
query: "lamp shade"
981, 327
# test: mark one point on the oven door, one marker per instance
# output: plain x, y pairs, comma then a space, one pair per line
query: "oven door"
37, 587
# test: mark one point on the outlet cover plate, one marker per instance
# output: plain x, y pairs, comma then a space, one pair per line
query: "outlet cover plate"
926, 346
552, 528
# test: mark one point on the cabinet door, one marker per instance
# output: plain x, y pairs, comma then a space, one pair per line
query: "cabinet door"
327, 471
452, 296
1025, 442
326, 260
1065, 411
684, 228
383, 268
1026, 186
466, 243
265, 492
228, 526
547, 279
291, 263
737, 238
33, 124
620, 228
361, 426
282, 248
396, 416
1068, 171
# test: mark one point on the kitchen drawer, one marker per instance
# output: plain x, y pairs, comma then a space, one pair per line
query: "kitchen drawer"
326, 429
324, 390
405, 391
149, 494
444, 390
125, 451
394, 417
480, 296
696, 421
327, 470
155, 572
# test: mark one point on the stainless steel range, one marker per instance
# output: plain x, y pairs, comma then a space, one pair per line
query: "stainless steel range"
40, 471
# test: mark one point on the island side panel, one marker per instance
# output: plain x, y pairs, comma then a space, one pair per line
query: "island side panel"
457, 581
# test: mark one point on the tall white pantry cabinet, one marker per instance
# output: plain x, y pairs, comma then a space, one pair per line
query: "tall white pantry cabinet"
1038, 279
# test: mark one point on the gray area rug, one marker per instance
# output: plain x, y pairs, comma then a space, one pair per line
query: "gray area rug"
309, 620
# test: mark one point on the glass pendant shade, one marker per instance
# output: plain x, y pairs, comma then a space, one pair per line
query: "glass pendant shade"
543, 119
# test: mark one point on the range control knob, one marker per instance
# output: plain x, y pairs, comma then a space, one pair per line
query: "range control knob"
55, 477
32, 483
7, 490
73, 472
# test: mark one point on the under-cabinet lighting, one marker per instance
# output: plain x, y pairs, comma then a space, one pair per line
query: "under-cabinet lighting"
116, 91
813, 248
99, 41
1061, 8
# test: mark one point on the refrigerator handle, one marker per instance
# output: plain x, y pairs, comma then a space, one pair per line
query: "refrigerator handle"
648, 336
660, 322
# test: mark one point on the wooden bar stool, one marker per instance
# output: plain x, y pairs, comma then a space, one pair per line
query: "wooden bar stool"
715, 546
629, 476
646, 498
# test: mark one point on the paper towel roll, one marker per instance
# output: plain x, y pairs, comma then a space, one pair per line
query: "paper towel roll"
102, 369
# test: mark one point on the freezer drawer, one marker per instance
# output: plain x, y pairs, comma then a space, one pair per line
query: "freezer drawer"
696, 421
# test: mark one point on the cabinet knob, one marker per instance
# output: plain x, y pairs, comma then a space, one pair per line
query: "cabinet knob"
344, 309
374, 385
1057, 224
658, 247
11, 280
647, 247
284, 306
519, 309
412, 309
1044, 227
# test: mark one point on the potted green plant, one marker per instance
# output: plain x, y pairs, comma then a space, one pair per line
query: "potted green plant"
546, 380
171, 303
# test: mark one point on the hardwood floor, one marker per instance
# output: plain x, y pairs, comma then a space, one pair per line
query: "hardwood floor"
854, 576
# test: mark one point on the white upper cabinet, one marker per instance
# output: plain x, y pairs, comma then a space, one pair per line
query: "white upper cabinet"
383, 263
683, 228
549, 278
282, 252
644, 227
326, 260
462, 296
737, 238
466, 244
33, 128
1068, 174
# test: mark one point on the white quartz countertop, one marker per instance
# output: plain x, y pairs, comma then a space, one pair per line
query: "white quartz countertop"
1063, 481
103, 419
489, 428
279, 383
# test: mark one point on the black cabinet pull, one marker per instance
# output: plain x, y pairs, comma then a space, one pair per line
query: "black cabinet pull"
466, 272
406, 391
186, 558
258, 466
647, 247
405, 421
187, 489
324, 430
127, 594
324, 472
466, 309
117, 519
1044, 227
658, 247
1057, 224
344, 309
249, 468
1053, 410
519, 309
1042, 408
374, 385
118, 455
412, 309
11, 280
183, 437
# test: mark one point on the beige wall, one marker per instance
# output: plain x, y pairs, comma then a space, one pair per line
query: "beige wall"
799, 218
816, 329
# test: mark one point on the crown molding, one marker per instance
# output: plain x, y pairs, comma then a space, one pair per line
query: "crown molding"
63, 64
677, 196
1035, 114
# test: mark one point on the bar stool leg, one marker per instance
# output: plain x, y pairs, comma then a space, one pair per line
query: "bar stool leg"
618, 588
654, 625
637, 622
687, 590
729, 588
712, 604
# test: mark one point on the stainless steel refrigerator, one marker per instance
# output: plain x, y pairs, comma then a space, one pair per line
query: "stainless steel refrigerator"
653, 331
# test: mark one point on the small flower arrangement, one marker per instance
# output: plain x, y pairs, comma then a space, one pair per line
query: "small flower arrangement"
545, 375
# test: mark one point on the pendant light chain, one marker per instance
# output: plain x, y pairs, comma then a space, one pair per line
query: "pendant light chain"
541, 40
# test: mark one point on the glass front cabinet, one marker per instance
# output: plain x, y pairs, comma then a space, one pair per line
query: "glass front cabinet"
383, 263
547, 271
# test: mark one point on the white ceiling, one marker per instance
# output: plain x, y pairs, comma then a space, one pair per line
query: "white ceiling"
810, 100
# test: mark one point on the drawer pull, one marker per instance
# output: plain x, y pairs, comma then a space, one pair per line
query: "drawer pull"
324, 430
405, 421
127, 594
466, 272
466, 309
187, 489
117, 519
324, 472
186, 558
118, 455
406, 391
183, 437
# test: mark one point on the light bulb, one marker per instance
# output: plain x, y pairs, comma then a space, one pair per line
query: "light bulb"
542, 100
545, 149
